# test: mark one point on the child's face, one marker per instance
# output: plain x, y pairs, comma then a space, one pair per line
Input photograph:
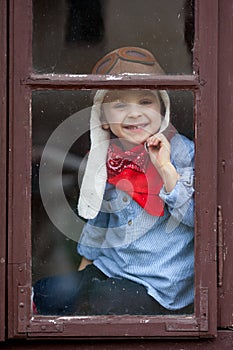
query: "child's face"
132, 115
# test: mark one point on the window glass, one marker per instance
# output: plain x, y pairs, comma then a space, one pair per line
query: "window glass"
72, 35
54, 252
119, 236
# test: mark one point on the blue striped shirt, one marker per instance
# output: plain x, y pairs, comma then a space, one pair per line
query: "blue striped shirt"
157, 252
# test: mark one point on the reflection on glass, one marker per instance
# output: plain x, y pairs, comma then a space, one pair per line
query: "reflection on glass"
128, 202
54, 252
72, 35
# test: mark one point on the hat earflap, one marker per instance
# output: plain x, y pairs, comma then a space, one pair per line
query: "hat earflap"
95, 175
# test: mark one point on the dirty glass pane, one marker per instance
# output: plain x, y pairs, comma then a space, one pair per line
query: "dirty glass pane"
138, 137
69, 36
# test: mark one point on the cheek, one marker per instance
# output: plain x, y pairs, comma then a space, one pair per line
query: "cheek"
156, 124
112, 116
156, 117
105, 113
159, 121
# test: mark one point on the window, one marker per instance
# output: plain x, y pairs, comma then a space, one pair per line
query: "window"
52, 86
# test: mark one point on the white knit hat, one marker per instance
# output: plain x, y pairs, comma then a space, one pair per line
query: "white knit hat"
95, 175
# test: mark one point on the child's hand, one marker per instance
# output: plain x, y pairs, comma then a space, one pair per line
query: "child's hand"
159, 150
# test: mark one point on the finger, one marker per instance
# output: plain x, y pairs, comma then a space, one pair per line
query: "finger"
148, 148
162, 140
152, 139
154, 143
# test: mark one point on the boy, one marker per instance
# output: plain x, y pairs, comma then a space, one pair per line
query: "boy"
137, 194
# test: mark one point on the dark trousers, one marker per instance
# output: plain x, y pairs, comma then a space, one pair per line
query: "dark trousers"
90, 292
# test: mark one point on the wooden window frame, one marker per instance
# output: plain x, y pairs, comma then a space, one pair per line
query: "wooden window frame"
22, 81
3, 164
225, 167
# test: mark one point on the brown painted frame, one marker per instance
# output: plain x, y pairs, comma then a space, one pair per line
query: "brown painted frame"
3, 164
204, 84
225, 167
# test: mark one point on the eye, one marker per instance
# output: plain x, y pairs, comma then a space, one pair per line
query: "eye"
119, 105
146, 101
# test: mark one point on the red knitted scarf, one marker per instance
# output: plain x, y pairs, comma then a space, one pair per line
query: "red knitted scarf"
132, 172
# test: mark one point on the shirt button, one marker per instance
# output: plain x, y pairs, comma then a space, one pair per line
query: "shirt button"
130, 222
125, 199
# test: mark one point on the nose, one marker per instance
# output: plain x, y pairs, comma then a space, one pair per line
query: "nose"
134, 110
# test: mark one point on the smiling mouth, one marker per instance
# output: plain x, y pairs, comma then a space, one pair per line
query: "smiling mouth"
135, 127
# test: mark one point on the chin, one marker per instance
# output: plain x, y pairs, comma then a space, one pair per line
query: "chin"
128, 144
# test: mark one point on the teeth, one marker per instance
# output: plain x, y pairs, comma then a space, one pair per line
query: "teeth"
135, 126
